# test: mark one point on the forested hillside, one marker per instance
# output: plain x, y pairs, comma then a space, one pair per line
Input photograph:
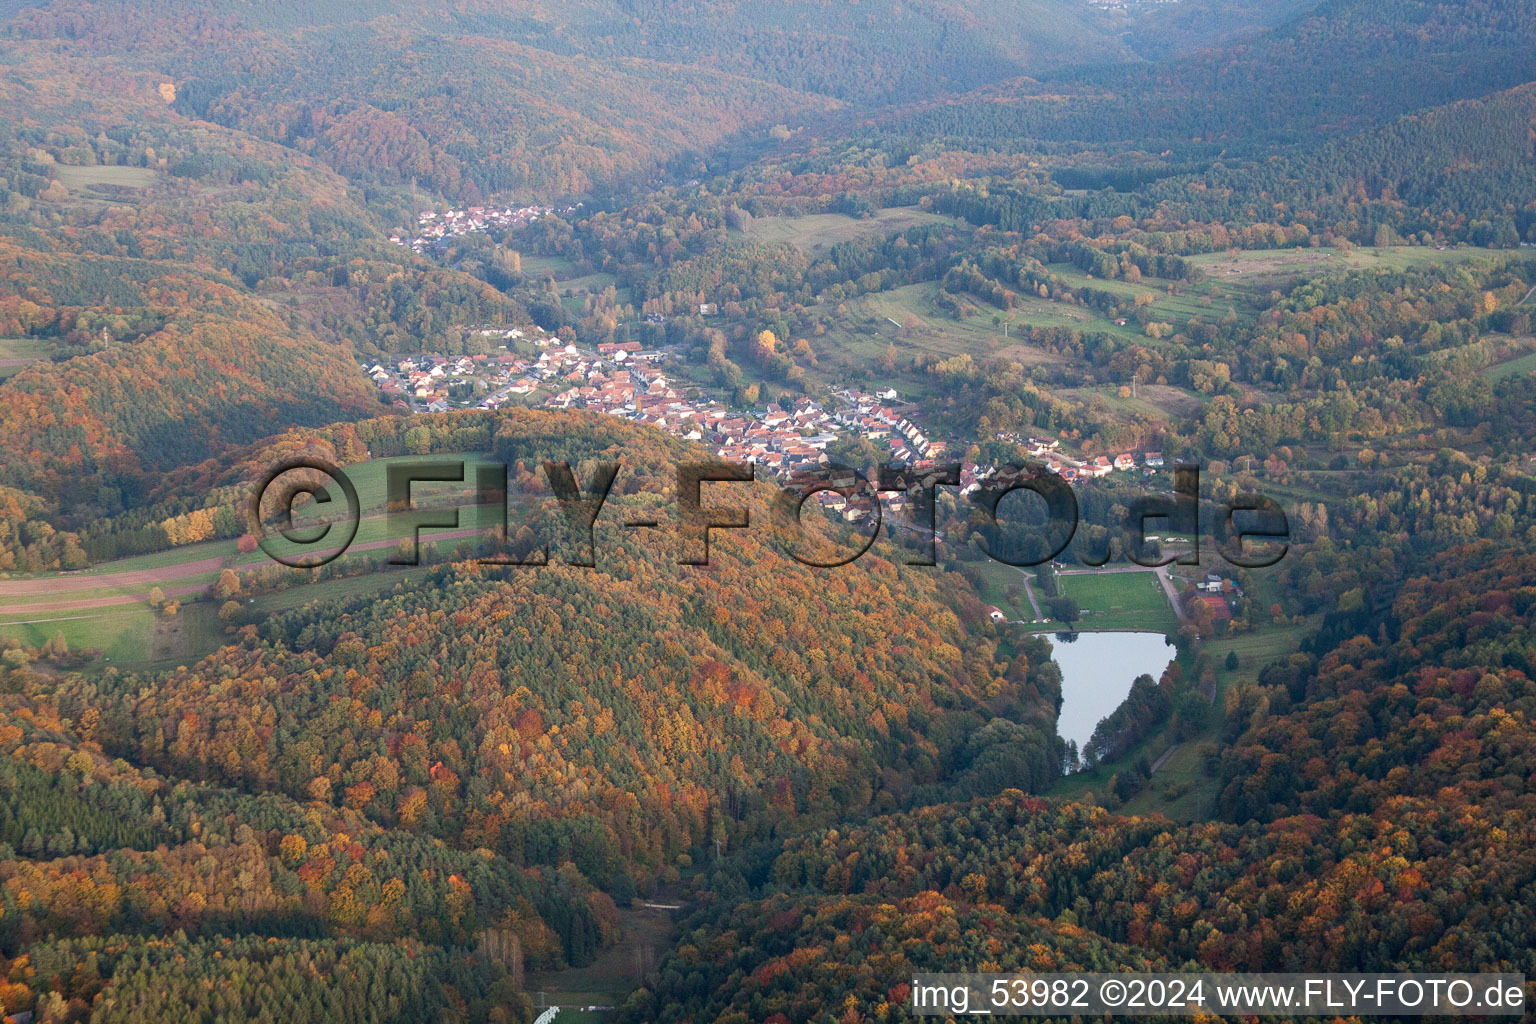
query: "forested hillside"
564, 704
1381, 786
135, 891
364, 777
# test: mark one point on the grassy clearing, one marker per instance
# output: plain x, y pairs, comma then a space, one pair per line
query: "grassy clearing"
184, 638
372, 483
568, 277
1254, 651
1517, 367
868, 327
1264, 269
595, 282
818, 231
904, 319
197, 631
1154, 401
134, 634
1028, 312
370, 479
17, 353
24, 348
1172, 302
1242, 282
153, 560
540, 267
1179, 789
1107, 601
121, 177
1118, 591
1003, 586
569, 1016
1238, 283
123, 634
138, 637
647, 934
1401, 257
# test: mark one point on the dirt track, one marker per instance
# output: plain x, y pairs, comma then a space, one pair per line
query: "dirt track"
71, 583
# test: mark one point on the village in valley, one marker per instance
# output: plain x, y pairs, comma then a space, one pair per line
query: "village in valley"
791, 438
529, 366
434, 230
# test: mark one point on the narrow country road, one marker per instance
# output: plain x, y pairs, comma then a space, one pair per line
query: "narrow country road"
1173, 595
1029, 592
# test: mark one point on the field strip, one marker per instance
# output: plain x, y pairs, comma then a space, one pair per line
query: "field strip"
71, 584
62, 618
154, 577
97, 602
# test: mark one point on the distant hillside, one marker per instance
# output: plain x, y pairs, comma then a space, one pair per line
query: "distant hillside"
878, 51
1347, 65
552, 100
883, 51
540, 100
1161, 31
136, 242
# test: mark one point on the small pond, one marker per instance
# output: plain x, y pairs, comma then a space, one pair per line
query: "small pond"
1097, 670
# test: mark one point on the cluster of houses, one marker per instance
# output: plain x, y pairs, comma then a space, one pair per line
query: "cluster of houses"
1069, 468
433, 229
423, 382
866, 415
783, 443
623, 379
436, 383
626, 384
